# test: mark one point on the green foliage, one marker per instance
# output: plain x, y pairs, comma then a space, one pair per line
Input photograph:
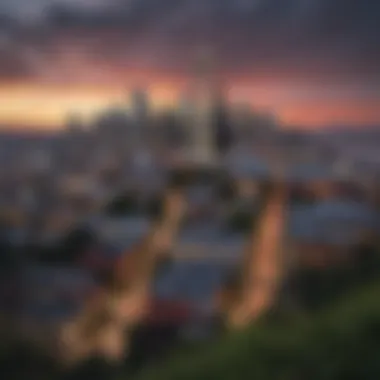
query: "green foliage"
155, 207
313, 288
20, 362
122, 205
343, 343
240, 221
226, 191
187, 176
71, 247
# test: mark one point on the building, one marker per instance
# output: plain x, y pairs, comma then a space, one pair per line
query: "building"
323, 234
121, 232
49, 298
74, 124
222, 129
112, 126
185, 115
201, 144
186, 106
242, 118
140, 113
244, 166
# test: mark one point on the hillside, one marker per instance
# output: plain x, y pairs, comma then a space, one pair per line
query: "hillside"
340, 344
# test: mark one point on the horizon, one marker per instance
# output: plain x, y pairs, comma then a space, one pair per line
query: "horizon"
314, 64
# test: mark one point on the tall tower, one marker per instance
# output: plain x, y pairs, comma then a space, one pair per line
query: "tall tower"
140, 116
222, 132
202, 134
74, 123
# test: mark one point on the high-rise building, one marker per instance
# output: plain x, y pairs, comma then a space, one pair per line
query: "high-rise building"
139, 104
39, 161
222, 131
208, 134
202, 133
74, 123
140, 115
186, 107
185, 115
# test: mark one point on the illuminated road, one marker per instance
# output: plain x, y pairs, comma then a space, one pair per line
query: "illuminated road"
102, 325
263, 263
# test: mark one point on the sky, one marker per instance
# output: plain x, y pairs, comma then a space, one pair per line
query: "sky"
314, 63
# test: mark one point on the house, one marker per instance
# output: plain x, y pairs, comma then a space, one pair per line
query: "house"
115, 237
159, 334
204, 256
208, 240
121, 232
50, 296
201, 202
323, 233
244, 166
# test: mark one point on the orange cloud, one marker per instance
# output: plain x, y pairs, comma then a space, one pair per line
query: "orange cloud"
351, 113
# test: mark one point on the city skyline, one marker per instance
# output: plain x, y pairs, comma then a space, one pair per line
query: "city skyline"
315, 63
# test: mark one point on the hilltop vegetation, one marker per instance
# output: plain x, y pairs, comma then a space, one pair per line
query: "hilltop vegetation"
342, 343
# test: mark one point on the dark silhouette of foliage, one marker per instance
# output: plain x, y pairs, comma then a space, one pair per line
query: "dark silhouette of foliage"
241, 221
150, 343
338, 344
95, 368
74, 245
154, 207
122, 205
226, 190
314, 288
21, 362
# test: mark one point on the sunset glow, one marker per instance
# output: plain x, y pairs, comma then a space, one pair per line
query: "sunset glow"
281, 58
43, 106
47, 107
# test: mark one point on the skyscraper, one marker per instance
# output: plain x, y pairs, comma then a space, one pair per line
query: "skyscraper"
140, 116
74, 123
204, 148
209, 134
185, 117
186, 107
223, 136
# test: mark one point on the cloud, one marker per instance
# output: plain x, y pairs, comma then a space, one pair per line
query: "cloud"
35, 9
305, 40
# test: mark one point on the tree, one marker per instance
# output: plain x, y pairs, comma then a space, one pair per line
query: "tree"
240, 221
366, 262
338, 344
154, 207
20, 362
123, 205
226, 190
71, 248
